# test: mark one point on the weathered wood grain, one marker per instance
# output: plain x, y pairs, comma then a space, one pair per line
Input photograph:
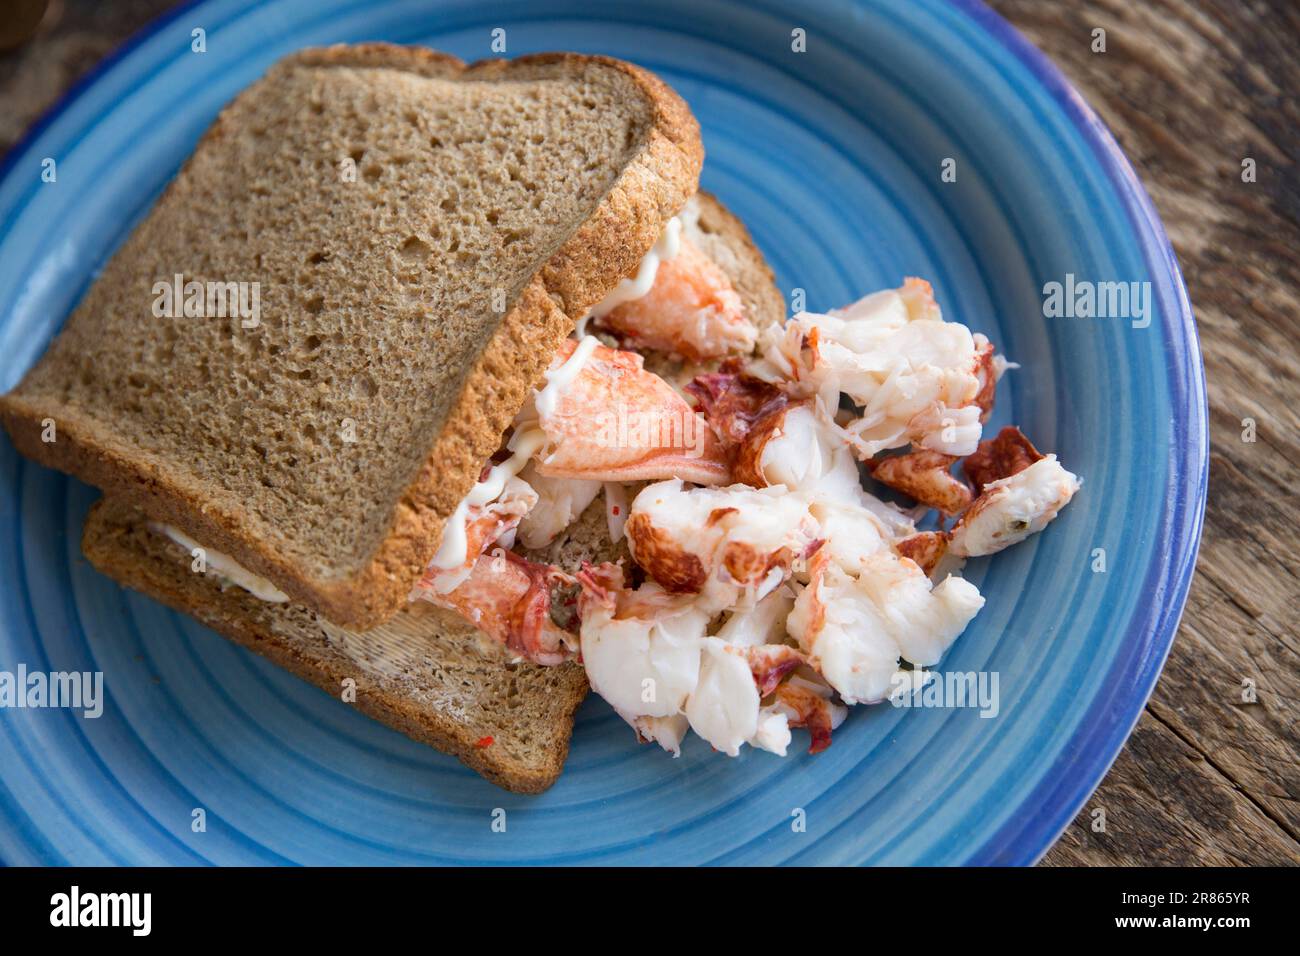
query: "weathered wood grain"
1190, 88
1162, 800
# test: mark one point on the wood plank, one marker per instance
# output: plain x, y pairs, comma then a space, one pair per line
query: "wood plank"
1165, 806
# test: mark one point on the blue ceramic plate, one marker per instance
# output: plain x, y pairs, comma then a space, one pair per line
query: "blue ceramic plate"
834, 157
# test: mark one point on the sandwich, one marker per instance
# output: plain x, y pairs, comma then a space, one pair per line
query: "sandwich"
380, 249
427, 671
519, 413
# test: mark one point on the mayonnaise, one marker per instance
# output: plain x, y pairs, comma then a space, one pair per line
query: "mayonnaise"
524, 443
224, 566
627, 290
557, 380
453, 552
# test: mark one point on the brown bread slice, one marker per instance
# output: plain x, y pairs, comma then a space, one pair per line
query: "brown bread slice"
424, 672
533, 184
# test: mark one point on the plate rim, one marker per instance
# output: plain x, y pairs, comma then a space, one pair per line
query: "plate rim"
1039, 820
1042, 816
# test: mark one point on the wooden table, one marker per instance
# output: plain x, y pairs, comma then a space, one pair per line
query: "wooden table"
1191, 90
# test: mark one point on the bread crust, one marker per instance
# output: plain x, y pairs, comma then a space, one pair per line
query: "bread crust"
626, 222
111, 540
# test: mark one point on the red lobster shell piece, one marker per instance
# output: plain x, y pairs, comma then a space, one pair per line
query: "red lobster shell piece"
926, 548
810, 710
747, 413
1001, 457
924, 476
986, 370
770, 663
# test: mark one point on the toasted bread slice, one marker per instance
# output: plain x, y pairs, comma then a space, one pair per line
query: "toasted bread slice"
422, 234
424, 672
